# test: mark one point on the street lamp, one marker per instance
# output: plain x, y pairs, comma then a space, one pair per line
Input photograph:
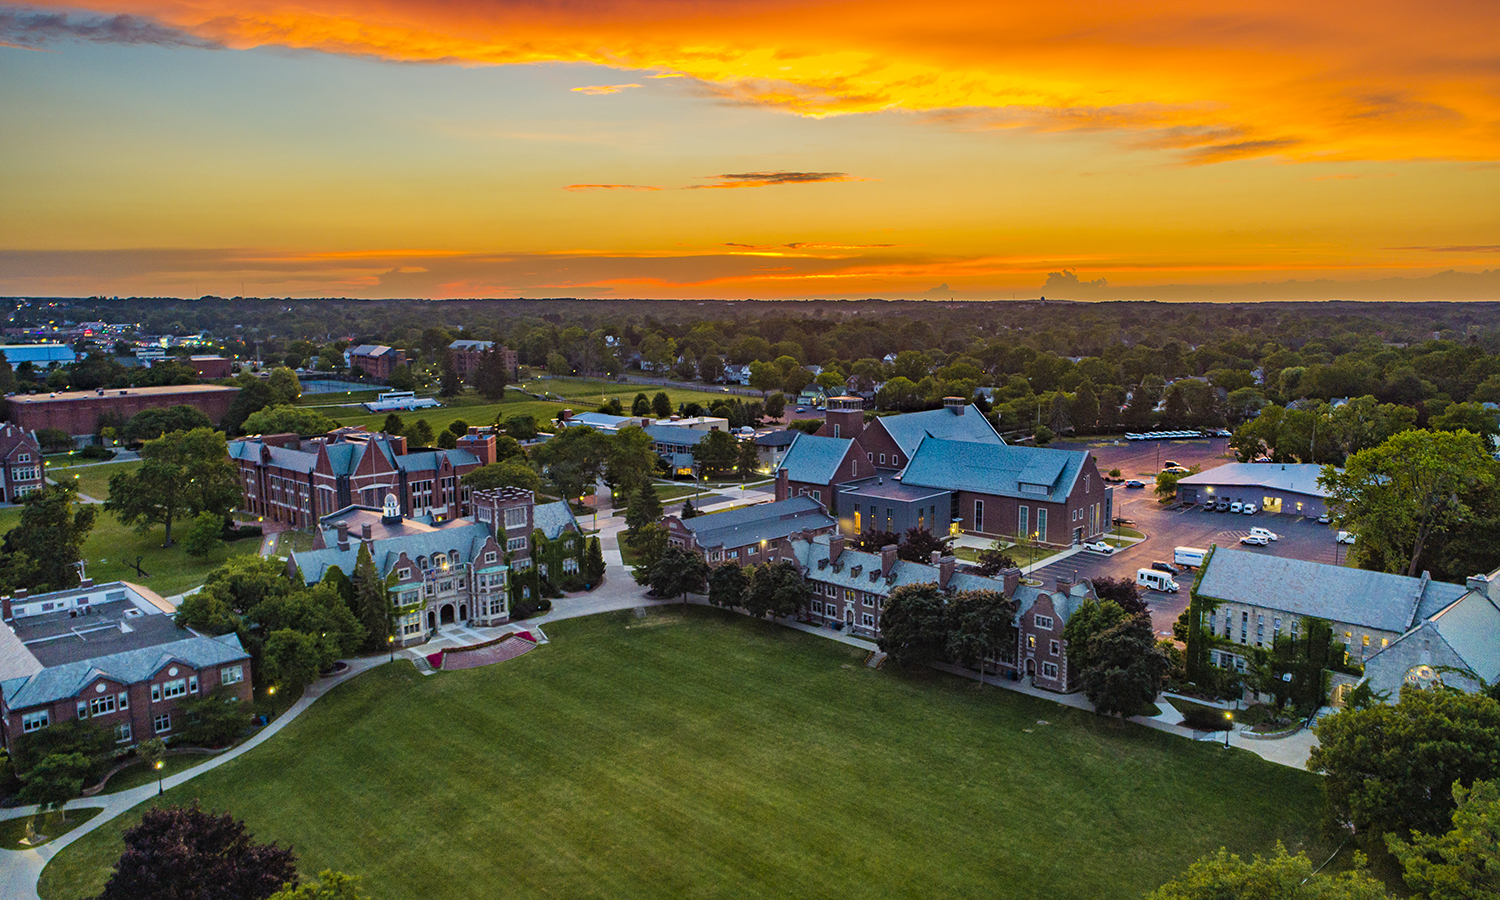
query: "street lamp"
1228, 725
390, 641
158, 778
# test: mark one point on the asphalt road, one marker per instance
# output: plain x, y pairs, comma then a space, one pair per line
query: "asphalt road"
1166, 529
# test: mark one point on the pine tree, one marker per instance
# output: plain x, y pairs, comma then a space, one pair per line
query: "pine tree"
593, 563
645, 509
371, 603
490, 376
688, 510
393, 425
449, 384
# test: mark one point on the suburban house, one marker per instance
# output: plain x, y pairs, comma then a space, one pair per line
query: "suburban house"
749, 535
110, 654
1456, 647
850, 588
24, 469
292, 482
376, 360
468, 354
1249, 599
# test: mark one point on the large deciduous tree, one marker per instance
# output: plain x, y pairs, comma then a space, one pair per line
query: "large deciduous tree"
183, 473
1405, 497
717, 453
188, 854
1281, 876
573, 459
53, 781
914, 624
291, 419
776, 589
514, 472
1464, 862
981, 624
678, 573
727, 585
1126, 667
41, 553
631, 461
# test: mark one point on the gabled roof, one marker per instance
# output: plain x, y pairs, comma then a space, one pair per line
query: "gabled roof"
554, 518
461, 535
761, 522
59, 682
908, 429
1294, 478
1471, 626
1028, 473
776, 438
676, 434
1336, 593
814, 459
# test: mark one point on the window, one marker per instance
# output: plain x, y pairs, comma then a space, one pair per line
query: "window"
858, 529
1023, 522
24, 457
124, 700
231, 674
570, 565
1049, 670
1041, 524
516, 544
869, 621
869, 600
1044, 622
83, 709
446, 586
1054, 648
162, 722
403, 574
34, 721
1367, 640
168, 690
192, 684
98, 706
979, 516
817, 607
122, 732
882, 459
1030, 642
490, 557
515, 516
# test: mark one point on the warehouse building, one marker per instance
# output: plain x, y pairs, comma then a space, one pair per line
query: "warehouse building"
1274, 487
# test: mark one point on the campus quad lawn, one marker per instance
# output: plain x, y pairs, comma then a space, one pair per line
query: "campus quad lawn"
595, 393
475, 413
697, 753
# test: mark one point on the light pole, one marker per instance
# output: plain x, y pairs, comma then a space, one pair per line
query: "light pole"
158, 778
390, 641
1228, 725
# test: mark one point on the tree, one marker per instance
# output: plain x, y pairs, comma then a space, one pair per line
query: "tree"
393, 425
748, 459
688, 510
62, 738
401, 378
574, 459
775, 406
330, 885
212, 721
55, 440
677, 573
872, 541
243, 582
1122, 591
631, 460
420, 434
593, 562
1464, 862
514, 472
53, 781
717, 453
151, 752
1391, 767
41, 552
1412, 490
449, 382
285, 386
981, 623
661, 405
640, 406
649, 544
557, 364
776, 589
1225, 876
149, 424
184, 852
644, 510
1126, 668
765, 377
182, 473
290, 420
1166, 485
918, 545
1091, 618
371, 602
914, 624
992, 562
491, 375
205, 534
254, 396
446, 440
290, 660
727, 585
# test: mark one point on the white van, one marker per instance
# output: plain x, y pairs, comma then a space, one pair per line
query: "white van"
1152, 580
1188, 556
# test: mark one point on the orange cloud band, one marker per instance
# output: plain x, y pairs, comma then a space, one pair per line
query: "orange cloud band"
1341, 80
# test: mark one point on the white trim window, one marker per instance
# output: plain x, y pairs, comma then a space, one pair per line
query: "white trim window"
162, 722
35, 721
98, 706
1044, 622
122, 732
516, 543
515, 516
1049, 670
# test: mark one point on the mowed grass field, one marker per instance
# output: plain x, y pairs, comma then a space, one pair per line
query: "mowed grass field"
697, 753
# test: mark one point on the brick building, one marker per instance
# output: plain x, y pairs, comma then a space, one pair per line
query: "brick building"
468, 354
110, 654
291, 482
376, 360
79, 412
210, 368
747, 536
24, 469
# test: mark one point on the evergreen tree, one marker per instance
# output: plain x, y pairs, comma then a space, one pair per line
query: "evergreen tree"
639, 407
372, 605
645, 509
661, 405
688, 510
491, 376
593, 563
449, 384
393, 425
421, 434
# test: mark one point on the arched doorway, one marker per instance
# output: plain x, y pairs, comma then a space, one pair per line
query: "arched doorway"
463, 611
1031, 667
445, 614
431, 621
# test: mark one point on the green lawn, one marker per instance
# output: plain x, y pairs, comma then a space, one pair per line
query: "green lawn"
13, 831
471, 408
142, 772
111, 545
697, 753
594, 392
93, 481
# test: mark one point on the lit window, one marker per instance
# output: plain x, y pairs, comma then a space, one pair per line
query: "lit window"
232, 674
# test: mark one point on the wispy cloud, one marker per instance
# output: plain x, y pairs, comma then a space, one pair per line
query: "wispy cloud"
771, 179
612, 187
595, 90
1217, 153
32, 28
1455, 248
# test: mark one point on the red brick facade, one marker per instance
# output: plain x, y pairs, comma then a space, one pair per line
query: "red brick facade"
24, 469
79, 412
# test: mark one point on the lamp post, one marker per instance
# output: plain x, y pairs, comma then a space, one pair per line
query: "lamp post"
390, 642
1228, 725
158, 778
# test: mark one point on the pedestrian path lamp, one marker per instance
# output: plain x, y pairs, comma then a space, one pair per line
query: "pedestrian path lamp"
158, 778
1228, 726
390, 641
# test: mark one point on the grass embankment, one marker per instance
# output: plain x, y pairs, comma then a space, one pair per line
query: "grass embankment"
699, 753
13, 831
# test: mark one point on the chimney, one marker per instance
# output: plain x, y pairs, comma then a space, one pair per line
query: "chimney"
835, 548
86, 583
20, 593
364, 532
343, 535
954, 405
1012, 579
1064, 583
398, 445
937, 556
888, 558
1480, 584
565, 415
946, 565
783, 485
5, 609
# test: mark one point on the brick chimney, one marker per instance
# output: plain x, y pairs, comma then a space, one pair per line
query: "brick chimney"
86, 583
364, 532
5, 609
783, 485
1064, 583
946, 565
1012, 579
955, 405
888, 558
343, 535
835, 547
936, 556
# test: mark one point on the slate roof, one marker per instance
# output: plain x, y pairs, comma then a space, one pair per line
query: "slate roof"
1293, 477
908, 429
428, 460
461, 535
15, 660
999, 469
59, 682
814, 459
1336, 593
1471, 626
761, 522
676, 434
370, 350
776, 438
554, 518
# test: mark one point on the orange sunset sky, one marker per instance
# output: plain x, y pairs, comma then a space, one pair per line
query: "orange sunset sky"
648, 148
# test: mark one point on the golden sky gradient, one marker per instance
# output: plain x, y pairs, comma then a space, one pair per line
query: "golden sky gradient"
875, 148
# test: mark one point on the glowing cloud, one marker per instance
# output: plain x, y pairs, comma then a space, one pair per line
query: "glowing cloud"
611, 187
595, 90
771, 179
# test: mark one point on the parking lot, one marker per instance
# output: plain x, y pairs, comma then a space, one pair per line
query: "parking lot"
1166, 529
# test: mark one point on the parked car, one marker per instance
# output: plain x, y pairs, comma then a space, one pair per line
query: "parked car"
1236, 506
1100, 547
1323, 519
1346, 537
1171, 464
1176, 470
1266, 533
1250, 509
1133, 483
1257, 540
1165, 567
1222, 506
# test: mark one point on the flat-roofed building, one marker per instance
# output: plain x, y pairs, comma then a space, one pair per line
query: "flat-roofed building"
79, 412
1274, 487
